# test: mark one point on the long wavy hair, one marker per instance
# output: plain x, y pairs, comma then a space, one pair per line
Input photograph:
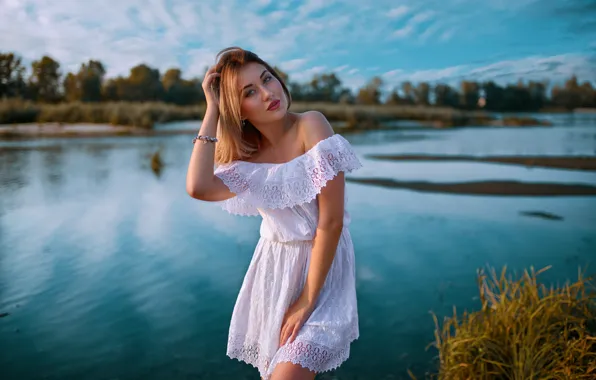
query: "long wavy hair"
237, 140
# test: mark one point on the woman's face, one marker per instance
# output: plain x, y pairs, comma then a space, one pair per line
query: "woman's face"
262, 99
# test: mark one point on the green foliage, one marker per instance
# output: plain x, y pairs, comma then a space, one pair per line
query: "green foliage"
523, 330
12, 76
371, 92
86, 85
47, 85
446, 96
44, 83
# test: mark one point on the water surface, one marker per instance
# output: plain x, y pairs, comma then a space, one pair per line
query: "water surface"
108, 270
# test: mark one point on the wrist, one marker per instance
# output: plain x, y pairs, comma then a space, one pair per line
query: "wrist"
212, 111
308, 300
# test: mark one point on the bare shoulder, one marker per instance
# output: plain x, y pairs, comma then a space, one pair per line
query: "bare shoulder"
313, 127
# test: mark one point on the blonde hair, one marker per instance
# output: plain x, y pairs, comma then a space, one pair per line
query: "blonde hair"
237, 140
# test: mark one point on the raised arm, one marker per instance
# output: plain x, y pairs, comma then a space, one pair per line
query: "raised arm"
201, 182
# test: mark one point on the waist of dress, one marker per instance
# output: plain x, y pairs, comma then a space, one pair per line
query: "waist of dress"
276, 240
297, 240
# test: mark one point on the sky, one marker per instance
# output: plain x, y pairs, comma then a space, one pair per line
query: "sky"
415, 40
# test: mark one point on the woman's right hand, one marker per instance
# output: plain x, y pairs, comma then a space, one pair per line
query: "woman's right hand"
208, 88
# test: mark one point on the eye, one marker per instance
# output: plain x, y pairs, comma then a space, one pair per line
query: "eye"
249, 93
267, 78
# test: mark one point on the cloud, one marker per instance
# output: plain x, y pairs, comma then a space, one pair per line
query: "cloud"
408, 28
293, 64
341, 68
346, 36
398, 12
404, 32
446, 35
555, 69
393, 73
160, 33
304, 75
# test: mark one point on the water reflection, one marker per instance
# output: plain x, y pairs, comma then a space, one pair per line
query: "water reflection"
105, 265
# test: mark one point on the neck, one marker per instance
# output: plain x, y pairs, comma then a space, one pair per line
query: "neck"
273, 133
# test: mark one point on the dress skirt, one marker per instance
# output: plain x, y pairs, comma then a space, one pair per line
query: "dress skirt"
273, 281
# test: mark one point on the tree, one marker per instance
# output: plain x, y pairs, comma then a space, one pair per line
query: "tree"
393, 98
90, 80
446, 96
324, 87
537, 94
142, 84
45, 80
12, 72
371, 92
180, 91
422, 93
587, 95
346, 96
470, 92
569, 96
284, 76
86, 85
408, 90
72, 91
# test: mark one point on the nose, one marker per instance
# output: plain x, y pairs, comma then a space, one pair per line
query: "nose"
268, 95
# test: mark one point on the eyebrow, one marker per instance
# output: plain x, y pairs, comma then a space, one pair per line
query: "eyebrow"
250, 84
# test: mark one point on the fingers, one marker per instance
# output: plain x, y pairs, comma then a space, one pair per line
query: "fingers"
289, 333
282, 335
294, 333
210, 75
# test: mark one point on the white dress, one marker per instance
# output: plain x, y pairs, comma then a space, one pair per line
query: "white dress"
285, 196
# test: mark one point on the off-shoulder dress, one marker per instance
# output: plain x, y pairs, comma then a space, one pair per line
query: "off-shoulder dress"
285, 197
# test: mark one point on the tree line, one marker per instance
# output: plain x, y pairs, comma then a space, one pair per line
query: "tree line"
47, 84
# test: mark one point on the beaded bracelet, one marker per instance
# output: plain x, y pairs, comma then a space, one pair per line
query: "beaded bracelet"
205, 139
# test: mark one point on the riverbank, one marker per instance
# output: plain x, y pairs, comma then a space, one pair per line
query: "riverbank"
587, 163
62, 130
146, 115
488, 187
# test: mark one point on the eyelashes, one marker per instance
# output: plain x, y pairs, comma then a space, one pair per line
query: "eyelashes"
251, 91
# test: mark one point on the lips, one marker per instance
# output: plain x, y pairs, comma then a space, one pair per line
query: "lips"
273, 106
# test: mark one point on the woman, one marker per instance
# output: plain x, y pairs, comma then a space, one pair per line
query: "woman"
296, 311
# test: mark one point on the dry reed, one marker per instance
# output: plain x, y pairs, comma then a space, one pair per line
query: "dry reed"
523, 331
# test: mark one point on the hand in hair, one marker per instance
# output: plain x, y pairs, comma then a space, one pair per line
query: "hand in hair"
209, 87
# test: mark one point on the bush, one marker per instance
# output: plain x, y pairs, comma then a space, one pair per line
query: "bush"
13, 111
145, 115
523, 331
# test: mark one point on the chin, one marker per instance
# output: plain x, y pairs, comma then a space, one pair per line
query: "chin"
277, 115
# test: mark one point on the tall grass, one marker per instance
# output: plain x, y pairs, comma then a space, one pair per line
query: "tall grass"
142, 115
145, 115
374, 115
524, 330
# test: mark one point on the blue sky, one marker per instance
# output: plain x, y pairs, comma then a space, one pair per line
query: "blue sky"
417, 40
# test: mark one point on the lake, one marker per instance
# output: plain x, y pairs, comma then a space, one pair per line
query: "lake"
110, 271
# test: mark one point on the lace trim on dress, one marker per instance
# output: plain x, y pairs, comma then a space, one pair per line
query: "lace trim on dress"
315, 357
276, 186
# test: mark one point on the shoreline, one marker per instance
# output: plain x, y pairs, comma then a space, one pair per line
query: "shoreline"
481, 188
64, 130
143, 116
58, 129
584, 163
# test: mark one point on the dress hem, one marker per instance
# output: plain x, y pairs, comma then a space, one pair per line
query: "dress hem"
267, 372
